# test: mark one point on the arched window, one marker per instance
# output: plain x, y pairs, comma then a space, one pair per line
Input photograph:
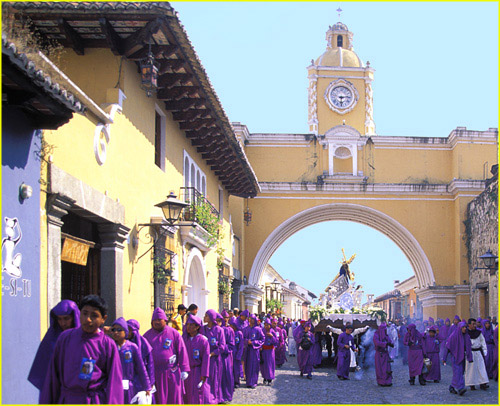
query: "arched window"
186, 172
203, 186
198, 181
340, 41
193, 176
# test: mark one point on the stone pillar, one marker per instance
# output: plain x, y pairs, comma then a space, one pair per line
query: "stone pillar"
252, 295
112, 236
57, 207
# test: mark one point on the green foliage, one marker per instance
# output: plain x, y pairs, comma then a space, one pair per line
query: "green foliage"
161, 272
206, 218
273, 304
225, 287
378, 314
317, 312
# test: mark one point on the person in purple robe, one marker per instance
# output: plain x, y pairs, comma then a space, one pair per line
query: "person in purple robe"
495, 359
444, 333
345, 343
381, 342
280, 351
227, 384
305, 341
135, 377
403, 348
63, 316
431, 346
317, 350
217, 342
253, 339
145, 348
171, 361
489, 360
459, 346
85, 367
237, 353
197, 389
414, 340
267, 354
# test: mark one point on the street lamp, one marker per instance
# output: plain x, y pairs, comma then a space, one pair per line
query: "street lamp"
489, 260
275, 284
172, 208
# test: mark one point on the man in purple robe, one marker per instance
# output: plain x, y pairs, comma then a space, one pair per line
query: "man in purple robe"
454, 324
241, 320
253, 340
431, 347
197, 389
135, 377
459, 346
490, 344
268, 362
444, 333
63, 316
144, 348
217, 342
280, 352
345, 342
237, 353
85, 367
305, 341
171, 360
414, 340
227, 384
382, 360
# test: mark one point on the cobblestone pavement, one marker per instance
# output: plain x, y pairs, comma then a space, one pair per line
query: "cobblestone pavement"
326, 388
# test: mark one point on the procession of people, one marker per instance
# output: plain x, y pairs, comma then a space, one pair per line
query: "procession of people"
183, 359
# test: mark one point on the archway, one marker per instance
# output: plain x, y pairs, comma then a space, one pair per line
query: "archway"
348, 212
195, 283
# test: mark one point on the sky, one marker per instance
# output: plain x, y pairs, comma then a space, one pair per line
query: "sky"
436, 68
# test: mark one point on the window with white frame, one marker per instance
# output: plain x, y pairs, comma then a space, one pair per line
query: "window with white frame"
160, 138
193, 176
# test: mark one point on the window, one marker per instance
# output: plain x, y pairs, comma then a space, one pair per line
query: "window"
160, 123
339, 41
193, 176
221, 203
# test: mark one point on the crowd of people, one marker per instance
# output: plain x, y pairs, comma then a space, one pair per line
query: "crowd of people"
185, 359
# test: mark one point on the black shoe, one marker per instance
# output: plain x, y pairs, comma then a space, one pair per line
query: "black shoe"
421, 380
484, 386
436, 380
462, 391
412, 381
309, 376
472, 387
301, 374
452, 390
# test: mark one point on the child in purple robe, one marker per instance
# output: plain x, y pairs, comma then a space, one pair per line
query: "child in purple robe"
197, 389
63, 316
431, 347
414, 340
227, 383
382, 360
268, 362
135, 378
345, 343
171, 360
305, 341
281, 349
253, 340
490, 344
217, 341
237, 353
85, 367
459, 346
145, 349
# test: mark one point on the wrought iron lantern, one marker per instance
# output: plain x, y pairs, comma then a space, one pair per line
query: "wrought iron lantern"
149, 74
489, 260
172, 208
247, 215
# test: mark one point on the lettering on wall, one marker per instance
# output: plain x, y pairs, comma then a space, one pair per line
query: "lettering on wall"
12, 260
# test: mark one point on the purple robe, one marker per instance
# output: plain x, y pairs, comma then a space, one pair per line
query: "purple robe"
237, 355
344, 354
227, 383
431, 347
413, 339
198, 351
459, 345
281, 350
268, 366
444, 333
252, 354
41, 362
84, 369
133, 370
170, 359
382, 359
317, 352
217, 344
403, 348
144, 349
495, 359
489, 360
304, 357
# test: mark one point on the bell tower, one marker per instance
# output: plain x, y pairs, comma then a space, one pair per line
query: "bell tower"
340, 91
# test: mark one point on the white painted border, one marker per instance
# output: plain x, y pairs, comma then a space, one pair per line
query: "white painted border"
196, 255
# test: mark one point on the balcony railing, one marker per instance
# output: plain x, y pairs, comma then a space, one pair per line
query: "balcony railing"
196, 199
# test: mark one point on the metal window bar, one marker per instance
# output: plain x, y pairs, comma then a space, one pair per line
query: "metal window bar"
167, 303
162, 264
192, 195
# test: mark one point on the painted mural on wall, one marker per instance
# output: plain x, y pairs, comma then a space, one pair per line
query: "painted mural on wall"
12, 261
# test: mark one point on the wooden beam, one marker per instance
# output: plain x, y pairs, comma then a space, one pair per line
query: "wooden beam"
170, 64
203, 132
176, 92
138, 39
158, 51
112, 38
195, 124
190, 114
72, 37
185, 103
170, 79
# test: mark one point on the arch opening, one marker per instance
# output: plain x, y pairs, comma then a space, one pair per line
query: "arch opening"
195, 284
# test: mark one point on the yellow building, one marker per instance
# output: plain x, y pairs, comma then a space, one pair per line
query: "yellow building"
415, 190
106, 170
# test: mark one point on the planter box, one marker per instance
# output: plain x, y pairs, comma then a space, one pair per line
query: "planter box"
195, 235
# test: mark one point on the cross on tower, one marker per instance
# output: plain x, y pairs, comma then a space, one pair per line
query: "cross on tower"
339, 10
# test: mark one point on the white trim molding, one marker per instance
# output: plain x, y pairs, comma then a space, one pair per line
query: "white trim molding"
441, 295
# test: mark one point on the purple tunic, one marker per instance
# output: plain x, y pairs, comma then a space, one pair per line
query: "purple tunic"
281, 350
198, 351
431, 346
304, 357
489, 360
382, 359
237, 355
413, 339
217, 343
41, 362
317, 352
170, 359
227, 384
444, 333
84, 369
344, 354
459, 345
133, 370
268, 366
252, 353
144, 349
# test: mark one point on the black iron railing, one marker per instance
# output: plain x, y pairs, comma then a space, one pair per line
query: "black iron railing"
196, 199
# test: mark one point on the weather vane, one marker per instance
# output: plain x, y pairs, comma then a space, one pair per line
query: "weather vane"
339, 10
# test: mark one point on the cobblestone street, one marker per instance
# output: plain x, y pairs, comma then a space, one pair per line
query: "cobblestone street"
326, 388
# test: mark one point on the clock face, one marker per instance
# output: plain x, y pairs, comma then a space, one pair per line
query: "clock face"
341, 97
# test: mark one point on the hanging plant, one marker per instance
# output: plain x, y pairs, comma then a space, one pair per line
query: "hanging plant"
161, 272
273, 304
204, 215
225, 288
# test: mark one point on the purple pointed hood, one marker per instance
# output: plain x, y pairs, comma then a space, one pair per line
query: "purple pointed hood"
212, 315
159, 314
123, 324
459, 342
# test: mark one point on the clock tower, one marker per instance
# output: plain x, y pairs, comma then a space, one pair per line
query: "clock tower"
340, 91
